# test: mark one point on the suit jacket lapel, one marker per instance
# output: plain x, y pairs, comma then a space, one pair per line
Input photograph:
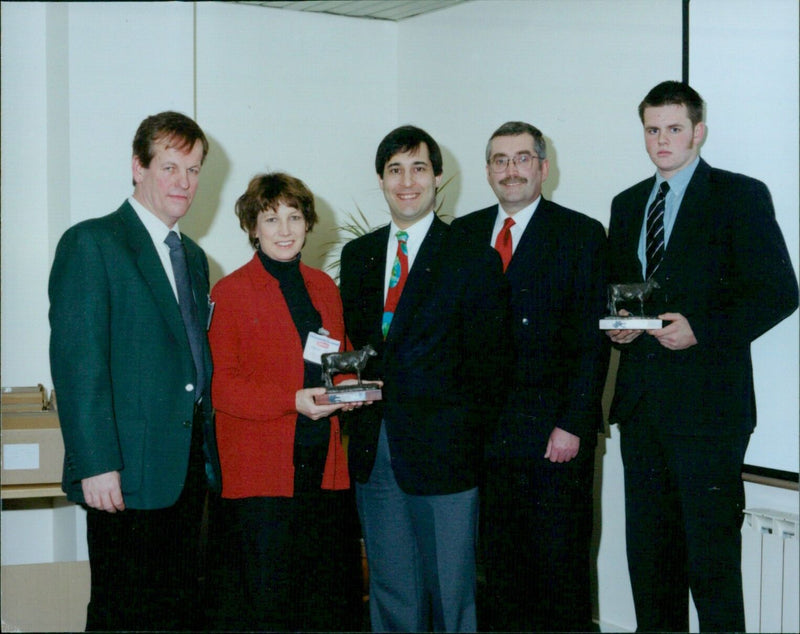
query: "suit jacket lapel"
153, 271
631, 240
374, 262
485, 223
534, 244
199, 284
691, 219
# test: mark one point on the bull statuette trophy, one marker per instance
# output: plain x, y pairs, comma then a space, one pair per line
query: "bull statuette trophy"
351, 362
633, 293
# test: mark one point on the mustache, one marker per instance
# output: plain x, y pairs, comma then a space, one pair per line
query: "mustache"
514, 180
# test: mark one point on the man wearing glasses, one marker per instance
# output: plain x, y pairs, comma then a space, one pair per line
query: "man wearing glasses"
537, 503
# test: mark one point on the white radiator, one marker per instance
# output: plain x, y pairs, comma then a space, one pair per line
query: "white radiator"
771, 571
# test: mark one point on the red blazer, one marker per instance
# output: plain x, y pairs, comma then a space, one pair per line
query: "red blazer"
258, 368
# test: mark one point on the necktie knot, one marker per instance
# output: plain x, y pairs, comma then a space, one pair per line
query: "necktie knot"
173, 241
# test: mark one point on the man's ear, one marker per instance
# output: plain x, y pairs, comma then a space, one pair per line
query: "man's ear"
136, 170
699, 133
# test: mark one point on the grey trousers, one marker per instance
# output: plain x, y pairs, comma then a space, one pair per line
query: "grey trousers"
420, 551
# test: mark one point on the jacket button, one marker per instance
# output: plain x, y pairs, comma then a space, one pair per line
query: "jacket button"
189, 387
187, 424
525, 321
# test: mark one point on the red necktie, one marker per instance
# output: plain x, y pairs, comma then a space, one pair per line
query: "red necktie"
396, 282
503, 242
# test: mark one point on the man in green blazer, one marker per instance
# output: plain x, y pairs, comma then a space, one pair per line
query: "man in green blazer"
132, 376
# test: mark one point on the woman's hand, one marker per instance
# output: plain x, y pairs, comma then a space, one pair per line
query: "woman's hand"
304, 403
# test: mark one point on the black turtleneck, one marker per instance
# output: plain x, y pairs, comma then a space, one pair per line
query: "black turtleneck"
311, 436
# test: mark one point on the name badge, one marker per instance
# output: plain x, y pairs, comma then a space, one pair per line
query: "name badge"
317, 345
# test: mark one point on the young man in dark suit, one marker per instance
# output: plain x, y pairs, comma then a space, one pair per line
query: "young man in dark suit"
537, 502
684, 394
415, 455
132, 368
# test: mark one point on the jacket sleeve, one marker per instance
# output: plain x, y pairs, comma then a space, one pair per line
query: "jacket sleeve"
80, 356
757, 284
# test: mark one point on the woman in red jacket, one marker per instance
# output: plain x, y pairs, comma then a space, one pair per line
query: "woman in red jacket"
285, 481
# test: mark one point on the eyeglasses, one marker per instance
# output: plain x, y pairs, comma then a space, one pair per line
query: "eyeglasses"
522, 161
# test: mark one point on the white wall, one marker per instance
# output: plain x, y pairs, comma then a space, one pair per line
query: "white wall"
23, 187
576, 69
752, 129
310, 94
313, 95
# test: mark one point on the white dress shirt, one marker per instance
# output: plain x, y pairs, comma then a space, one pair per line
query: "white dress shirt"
158, 233
416, 234
521, 220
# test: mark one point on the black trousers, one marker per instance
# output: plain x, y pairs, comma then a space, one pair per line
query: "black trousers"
683, 504
535, 544
145, 564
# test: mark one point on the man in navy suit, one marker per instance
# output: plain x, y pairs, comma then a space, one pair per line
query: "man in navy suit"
537, 503
415, 455
684, 396
133, 386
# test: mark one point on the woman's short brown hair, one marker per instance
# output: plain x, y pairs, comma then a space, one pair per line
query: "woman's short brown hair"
269, 191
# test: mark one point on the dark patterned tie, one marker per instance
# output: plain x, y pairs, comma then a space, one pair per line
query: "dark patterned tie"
655, 231
503, 243
194, 332
396, 282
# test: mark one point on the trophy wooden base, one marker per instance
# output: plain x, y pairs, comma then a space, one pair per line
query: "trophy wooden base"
615, 322
349, 394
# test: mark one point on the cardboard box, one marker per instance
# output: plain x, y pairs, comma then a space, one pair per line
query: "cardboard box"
45, 597
24, 399
32, 448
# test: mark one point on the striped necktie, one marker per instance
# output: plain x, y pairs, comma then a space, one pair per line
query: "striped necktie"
655, 231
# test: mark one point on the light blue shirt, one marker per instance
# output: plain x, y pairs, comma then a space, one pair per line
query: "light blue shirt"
672, 203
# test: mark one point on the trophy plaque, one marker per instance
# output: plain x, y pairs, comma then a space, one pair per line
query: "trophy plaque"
630, 293
354, 361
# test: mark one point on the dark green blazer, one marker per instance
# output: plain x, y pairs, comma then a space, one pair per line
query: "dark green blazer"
120, 359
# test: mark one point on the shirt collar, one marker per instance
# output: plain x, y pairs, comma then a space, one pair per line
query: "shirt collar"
521, 218
158, 230
679, 181
416, 232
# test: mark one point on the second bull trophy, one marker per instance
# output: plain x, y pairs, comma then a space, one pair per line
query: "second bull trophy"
638, 293
355, 361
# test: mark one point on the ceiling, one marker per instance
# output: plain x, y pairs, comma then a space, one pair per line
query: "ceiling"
394, 10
